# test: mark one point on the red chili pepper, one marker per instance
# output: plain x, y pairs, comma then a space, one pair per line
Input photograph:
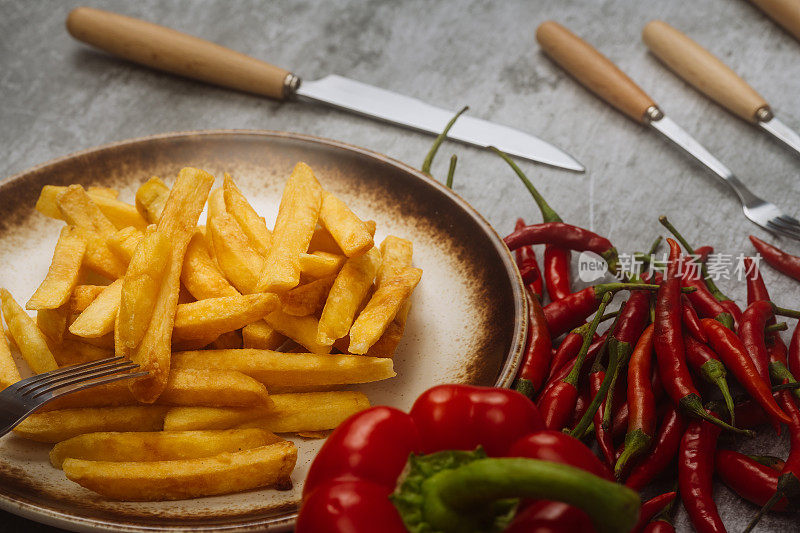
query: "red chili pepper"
556, 259
695, 476
651, 508
794, 352
733, 354
659, 526
558, 402
556, 271
536, 361
703, 360
777, 258
788, 485
349, 489
641, 402
669, 345
566, 368
748, 478
756, 288
526, 260
462, 417
565, 236
666, 446
604, 438
751, 333
545, 516
566, 351
704, 302
691, 321
633, 318
702, 253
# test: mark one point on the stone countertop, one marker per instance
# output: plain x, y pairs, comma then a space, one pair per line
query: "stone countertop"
58, 96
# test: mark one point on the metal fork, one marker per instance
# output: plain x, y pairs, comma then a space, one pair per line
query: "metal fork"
765, 214
26, 396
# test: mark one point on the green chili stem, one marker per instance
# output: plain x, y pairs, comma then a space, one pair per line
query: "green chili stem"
780, 326
603, 288
712, 287
575, 373
782, 311
451, 171
636, 443
619, 355
548, 213
761, 512
426, 165
714, 372
453, 498
780, 373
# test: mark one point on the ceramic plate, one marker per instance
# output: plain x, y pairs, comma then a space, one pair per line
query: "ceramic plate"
466, 325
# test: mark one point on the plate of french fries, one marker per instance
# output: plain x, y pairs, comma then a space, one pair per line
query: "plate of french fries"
270, 284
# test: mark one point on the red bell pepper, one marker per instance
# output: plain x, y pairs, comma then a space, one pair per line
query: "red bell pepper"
355, 483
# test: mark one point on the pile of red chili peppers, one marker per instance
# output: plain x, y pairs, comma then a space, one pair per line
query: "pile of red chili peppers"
653, 391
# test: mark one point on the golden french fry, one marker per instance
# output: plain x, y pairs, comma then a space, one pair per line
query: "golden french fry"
215, 316
236, 258
188, 478
382, 309
82, 296
251, 223
350, 233
98, 318
321, 264
387, 344
192, 418
323, 241
94, 227
74, 352
260, 336
290, 369
63, 273
124, 242
309, 411
216, 204
9, 373
301, 329
140, 287
294, 226
53, 323
307, 299
119, 213
177, 224
151, 198
63, 424
103, 191
200, 274
348, 291
30, 340
396, 255
158, 445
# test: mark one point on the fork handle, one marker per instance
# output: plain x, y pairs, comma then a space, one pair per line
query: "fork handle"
785, 12
704, 71
594, 70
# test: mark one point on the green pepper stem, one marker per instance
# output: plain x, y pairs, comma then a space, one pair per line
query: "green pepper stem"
548, 213
602, 288
780, 373
525, 386
575, 373
761, 512
780, 326
619, 355
714, 372
636, 443
712, 287
782, 311
426, 165
692, 405
580, 429
453, 499
451, 171
726, 319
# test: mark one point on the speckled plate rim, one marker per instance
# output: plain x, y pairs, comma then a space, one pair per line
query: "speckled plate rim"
27, 509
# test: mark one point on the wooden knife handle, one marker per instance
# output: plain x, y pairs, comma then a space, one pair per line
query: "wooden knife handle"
593, 69
178, 53
784, 12
701, 69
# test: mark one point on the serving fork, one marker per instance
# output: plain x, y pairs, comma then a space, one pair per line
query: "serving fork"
601, 76
26, 396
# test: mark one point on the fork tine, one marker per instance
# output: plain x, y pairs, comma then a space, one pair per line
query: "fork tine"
79, 386
67, 369
110, 363
115, 370
787, 231
789, 220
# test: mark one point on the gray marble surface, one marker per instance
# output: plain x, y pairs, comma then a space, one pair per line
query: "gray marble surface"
59, 96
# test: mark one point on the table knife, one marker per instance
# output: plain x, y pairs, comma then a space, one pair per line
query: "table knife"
698, 67
601, 76
172, 51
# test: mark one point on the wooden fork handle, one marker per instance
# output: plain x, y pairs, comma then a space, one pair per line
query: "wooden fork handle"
178, 53
594, 70
785, 12
698, 67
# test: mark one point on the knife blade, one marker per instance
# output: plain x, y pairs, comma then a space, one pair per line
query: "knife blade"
706, 73
178, 53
